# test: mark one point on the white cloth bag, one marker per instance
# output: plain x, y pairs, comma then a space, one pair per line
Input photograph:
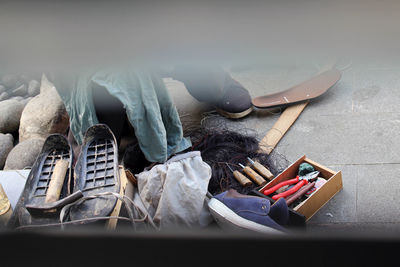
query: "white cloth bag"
174, 193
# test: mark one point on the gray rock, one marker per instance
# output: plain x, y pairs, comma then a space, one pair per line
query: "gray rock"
4, 96
25, 101
20, 91
33, 88
24, 154
6, 144
2, 89
11, 81
24, 78
44, 114
18, 98
10, 115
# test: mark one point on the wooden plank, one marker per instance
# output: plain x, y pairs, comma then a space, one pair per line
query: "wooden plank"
281, 126
112, 223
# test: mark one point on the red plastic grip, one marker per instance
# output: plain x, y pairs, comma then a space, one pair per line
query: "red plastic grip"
291, 190
276, 187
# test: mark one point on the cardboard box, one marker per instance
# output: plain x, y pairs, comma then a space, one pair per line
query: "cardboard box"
317, 200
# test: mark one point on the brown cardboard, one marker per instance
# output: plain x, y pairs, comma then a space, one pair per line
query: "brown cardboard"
317, 200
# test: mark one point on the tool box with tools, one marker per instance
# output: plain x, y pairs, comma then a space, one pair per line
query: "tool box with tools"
308, 199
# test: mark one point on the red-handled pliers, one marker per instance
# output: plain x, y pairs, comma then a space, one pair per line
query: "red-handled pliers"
300, 180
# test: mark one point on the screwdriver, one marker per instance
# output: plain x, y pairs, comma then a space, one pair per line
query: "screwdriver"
261, 169
253, 175
240, 177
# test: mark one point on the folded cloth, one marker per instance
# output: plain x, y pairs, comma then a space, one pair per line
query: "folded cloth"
145, 98
174, 193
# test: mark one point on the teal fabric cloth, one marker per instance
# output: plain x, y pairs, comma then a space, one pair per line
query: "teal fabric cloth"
146, 100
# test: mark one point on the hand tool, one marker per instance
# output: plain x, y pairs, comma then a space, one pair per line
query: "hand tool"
243, 180
261, 169
53, 207
57, 181
299, 181
299, 193
318, 184
253, 175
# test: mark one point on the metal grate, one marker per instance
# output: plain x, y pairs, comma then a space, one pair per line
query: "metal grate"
47, 171
99, 165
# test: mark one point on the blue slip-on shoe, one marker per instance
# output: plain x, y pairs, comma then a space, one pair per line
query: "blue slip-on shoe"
233, 210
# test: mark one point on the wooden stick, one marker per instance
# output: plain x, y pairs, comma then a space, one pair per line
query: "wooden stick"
287, 118
112, 223
275, 134
57, 181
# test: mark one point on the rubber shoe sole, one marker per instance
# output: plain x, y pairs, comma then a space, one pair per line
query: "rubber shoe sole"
234, 115
228, 219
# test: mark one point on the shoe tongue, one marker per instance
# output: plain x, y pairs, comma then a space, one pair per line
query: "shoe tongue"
279, 212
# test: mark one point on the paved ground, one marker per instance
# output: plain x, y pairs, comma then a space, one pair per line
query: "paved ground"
354, 128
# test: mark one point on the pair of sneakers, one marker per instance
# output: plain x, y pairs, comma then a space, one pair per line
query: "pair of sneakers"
232, 210
95, 173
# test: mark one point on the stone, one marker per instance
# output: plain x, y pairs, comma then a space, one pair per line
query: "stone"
33, 88
24, 154
24, 78
10, 81
4, 96
18, 98
6, 144
25, 101
2, 89
20, 91
44, 114
10, 115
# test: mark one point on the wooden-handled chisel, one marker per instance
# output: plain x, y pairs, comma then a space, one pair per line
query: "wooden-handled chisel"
261, 169
253, 175
243, 180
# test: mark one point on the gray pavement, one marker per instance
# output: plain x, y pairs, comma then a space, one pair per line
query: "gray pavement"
354, 128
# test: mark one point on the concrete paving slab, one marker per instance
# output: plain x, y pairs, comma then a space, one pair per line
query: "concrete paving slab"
343, 206
378, 193
376, 91
344, 139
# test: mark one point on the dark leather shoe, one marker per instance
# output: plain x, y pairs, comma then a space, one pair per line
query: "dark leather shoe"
235, 102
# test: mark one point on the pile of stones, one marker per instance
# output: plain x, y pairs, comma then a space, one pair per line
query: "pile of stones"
29, 112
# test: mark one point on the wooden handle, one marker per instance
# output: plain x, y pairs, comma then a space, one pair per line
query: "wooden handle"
243, 180
57, 181
263, 171
301, 192
5, 208
281, 126
254, 176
